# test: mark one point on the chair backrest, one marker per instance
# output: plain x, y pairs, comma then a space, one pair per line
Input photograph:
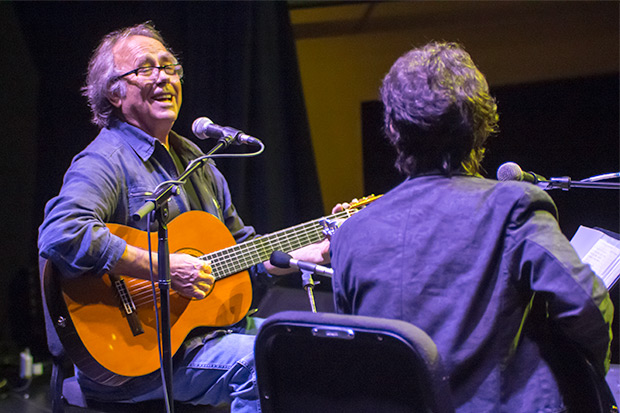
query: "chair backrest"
333, 362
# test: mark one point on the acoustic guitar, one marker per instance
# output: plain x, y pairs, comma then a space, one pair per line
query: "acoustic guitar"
107, 324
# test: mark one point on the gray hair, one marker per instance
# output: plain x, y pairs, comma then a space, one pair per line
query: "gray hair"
102, 77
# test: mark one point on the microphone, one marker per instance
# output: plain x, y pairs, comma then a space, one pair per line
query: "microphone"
283, 260
510, 171
204, 128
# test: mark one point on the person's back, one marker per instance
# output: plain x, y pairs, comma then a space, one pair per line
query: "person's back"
481, 266
459, 258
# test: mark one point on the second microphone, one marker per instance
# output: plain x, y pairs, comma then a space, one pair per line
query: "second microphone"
283, 260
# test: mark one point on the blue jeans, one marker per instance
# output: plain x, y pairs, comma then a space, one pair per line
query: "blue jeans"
215, 370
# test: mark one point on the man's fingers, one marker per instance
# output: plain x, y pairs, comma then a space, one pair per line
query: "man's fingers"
345, 205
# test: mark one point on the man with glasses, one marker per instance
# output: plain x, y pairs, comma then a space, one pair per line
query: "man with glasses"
134, 90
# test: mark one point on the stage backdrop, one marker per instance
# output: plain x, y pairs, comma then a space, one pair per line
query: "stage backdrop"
240, 70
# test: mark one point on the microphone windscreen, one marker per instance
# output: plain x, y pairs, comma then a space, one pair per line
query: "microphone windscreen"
509, 171
280, 259
200, 126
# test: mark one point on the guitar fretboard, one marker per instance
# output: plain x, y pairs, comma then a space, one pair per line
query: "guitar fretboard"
240, 257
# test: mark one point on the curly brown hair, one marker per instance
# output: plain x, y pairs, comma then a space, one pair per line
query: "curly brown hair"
438, 110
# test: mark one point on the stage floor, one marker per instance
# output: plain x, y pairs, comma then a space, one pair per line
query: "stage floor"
36, 399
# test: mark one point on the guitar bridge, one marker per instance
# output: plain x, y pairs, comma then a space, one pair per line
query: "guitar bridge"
128, 307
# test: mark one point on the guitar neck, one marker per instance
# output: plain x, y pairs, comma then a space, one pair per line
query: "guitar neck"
242, 256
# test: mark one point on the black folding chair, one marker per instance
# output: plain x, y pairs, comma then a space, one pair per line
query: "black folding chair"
320, 362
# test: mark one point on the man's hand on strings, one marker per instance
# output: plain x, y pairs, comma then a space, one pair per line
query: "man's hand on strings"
190, 276
317, 253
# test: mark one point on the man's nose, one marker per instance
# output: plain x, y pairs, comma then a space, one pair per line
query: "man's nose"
162, 76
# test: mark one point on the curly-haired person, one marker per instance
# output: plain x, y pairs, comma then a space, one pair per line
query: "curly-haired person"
480, 265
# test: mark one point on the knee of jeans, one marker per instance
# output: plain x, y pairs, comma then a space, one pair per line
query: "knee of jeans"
229, 356
244, 382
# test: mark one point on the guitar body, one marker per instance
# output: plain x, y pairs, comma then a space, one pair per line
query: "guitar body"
110, 333
94, 330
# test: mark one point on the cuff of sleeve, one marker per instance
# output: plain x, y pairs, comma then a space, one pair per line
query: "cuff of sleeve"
261, 282
112, 253
261, 277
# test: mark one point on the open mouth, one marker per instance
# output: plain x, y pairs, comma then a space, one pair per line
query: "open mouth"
164, 97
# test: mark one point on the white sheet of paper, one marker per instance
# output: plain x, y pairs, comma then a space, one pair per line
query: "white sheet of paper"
599, 250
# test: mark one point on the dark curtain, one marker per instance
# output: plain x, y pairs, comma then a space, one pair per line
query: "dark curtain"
241, 71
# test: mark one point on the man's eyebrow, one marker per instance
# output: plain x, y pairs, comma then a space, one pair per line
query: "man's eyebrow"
142, 60
153, 61
167, 56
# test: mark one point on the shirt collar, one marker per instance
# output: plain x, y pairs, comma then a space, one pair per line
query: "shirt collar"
141, 142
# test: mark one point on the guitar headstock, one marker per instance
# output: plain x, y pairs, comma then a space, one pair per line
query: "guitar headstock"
332, 223
364, 201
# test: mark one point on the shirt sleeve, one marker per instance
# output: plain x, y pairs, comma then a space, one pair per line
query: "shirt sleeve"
338, 252
543, 261
73, 234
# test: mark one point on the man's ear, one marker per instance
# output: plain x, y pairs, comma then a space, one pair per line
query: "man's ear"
114, 98
390, 127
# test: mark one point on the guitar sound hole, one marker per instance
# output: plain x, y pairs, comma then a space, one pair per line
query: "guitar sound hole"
190, 251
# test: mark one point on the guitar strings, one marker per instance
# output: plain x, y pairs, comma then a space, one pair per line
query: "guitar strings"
236, 258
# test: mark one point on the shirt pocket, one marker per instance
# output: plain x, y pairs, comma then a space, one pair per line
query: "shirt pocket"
137, 197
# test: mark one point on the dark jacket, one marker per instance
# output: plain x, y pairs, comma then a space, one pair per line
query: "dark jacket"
484, 269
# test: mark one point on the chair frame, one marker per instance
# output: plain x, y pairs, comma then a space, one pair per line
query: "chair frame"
356, 333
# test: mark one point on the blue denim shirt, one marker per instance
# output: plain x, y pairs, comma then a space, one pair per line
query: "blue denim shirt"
108, 182
462, 259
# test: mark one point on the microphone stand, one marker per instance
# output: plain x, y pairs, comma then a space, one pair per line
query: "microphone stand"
159, 204
308, 284
565, 183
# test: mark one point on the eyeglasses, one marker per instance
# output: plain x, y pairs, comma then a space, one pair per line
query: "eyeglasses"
149, 71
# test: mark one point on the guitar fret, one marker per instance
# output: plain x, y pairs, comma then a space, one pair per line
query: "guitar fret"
228, 260
247, 259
